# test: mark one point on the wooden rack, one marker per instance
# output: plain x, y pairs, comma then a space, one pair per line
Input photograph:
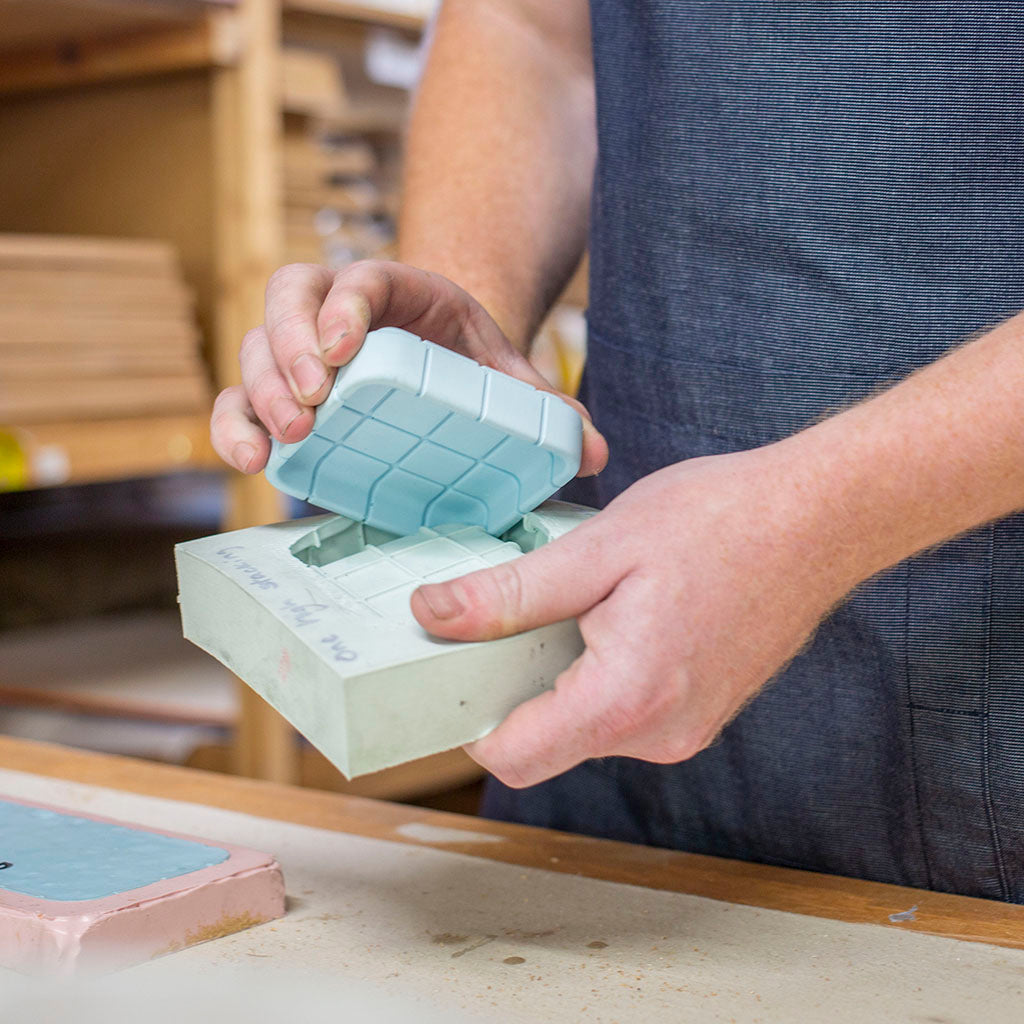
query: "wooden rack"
163, 119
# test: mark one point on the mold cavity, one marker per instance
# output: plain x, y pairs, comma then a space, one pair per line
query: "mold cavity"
338, 537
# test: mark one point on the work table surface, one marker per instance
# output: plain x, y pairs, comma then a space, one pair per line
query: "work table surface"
464, 914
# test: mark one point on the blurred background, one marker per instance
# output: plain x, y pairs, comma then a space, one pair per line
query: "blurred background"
159, 159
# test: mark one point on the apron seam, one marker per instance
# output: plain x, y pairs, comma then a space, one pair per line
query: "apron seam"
986, 745
946, 711
913, 732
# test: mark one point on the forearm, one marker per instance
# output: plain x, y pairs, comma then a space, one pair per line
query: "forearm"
938, 454
500, 154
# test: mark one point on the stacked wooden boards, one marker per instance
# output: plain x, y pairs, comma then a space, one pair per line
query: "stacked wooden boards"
340, 147
95, 328
336, 210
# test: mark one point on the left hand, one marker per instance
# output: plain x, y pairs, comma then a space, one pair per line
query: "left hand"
692, 589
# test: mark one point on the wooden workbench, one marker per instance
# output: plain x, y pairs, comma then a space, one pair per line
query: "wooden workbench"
553, 926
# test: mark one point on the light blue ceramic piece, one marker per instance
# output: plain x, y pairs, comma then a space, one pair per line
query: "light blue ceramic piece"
52, 855
413, 434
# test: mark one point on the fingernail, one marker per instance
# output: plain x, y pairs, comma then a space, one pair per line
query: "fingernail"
309, 374
332, 344
443, 604
242, 454
284, 412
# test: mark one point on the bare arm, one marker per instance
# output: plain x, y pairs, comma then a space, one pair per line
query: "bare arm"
939, 454
500, 154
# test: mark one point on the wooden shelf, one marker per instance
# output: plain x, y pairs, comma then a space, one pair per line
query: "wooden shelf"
137, 47
410, 15
133, 665
92, 450
33, 24
172, 110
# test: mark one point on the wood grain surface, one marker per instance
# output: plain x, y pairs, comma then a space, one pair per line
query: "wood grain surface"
758, 885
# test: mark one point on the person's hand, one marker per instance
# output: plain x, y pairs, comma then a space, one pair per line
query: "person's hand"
692, 589
316, 321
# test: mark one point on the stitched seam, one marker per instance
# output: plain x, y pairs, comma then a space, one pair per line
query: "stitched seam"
990, 810
913, 741
946, 711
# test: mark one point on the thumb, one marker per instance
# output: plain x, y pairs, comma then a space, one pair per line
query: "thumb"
558, 581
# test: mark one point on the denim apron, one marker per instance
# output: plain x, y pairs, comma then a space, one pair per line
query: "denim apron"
796, 204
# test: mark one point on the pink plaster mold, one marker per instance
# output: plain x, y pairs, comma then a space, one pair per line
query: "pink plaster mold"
67, 936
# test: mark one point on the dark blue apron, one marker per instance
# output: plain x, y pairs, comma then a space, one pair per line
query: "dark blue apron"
796, 204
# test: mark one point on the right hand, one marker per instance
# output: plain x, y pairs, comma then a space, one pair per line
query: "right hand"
316, 321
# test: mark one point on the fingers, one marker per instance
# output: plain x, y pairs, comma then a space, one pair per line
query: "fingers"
376, 293
582, 717
269, 392
295, 294
480, 345
236, 438
316, 320
545, 736
560, 580
615, 699
594, 456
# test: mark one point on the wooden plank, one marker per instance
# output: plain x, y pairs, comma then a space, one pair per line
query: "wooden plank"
59, 252
85, 284
128, 666
309, 161
410, 16
44, 367
129, 307
310, 81
756, 885
135, 447
360, 197
424, 777
142, 168
247, 177
18, 329
26, 401
30, 24
207, 42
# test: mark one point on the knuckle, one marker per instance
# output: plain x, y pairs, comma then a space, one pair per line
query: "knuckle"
369, 267
615, 723
289, 330
681, 744
507, 581
492, 597
505, 768
681, 748
265, 383
632, 714
286, 274
224, 399
250, 339
356, 267
220, 418
369, 275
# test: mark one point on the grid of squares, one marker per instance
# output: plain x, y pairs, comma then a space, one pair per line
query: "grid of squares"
428, 465
383, 577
